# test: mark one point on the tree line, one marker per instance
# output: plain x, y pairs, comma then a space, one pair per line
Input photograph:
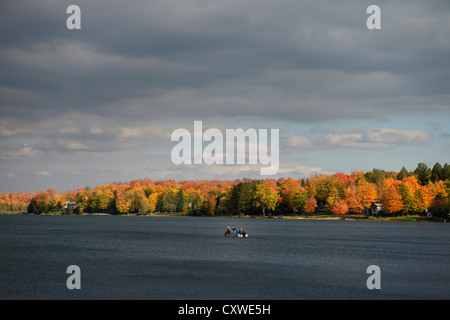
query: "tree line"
403, 192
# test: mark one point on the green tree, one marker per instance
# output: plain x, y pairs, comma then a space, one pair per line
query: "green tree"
181, 203
300, 199
423, 173
241, 197
446, 172
40, 203
402, 174
410, 202
436, 172
376, 176
139, 203
32, 207
224, 205
167, 201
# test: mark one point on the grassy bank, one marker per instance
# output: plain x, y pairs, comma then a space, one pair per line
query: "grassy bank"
348, 217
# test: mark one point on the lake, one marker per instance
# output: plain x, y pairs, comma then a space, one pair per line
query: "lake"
171, 258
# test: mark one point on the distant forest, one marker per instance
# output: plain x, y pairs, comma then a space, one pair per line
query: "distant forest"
424, 190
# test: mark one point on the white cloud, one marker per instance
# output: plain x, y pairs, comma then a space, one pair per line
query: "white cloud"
7, 133
4, 132
370, 139
301, 171
75, 145
146, 132
42, 173
26, 151
96, 130
393, 136
333, 140
298, 142
71, 130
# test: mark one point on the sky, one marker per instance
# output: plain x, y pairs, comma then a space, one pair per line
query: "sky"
98, 105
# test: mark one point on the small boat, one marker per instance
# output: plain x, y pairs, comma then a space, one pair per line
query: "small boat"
237, 235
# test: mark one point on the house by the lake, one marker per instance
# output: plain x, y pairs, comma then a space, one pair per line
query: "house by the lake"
70, 204
376, 208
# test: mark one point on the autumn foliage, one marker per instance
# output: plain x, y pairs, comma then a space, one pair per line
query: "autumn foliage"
340, 207
310, 205
399, 193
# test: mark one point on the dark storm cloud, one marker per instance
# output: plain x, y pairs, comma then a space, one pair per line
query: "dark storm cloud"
288, 60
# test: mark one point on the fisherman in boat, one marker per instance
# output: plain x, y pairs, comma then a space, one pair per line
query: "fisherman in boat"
228, 231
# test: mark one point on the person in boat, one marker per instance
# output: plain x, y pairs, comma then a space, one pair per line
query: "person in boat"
228, 231
234, 229
242, 232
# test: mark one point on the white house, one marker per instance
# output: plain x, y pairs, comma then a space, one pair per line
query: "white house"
70, 204
376, 208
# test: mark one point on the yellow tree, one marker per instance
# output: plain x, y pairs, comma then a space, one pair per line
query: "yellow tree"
333, 198
42, 202
366, 194
152, 200
353, 203
55, 200
139, 202
438, 189
425, 195
223, 201
123, 200
358, 177
408, 189
321, 186
265, 197
105, 199
416, 198
101, 199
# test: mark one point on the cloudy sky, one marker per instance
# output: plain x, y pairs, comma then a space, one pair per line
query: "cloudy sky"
98, 105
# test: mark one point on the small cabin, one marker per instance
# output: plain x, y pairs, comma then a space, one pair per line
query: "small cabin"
376, 208
70, 204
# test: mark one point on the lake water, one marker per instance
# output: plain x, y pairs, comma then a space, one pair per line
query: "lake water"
123, 257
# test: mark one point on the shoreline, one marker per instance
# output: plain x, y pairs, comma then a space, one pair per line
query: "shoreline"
407, 218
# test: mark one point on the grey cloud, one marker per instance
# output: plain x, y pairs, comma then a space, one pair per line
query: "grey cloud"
285, 59
77, 133
139, 69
